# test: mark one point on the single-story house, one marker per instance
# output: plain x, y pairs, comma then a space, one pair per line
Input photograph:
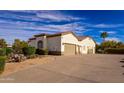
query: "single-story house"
64, 43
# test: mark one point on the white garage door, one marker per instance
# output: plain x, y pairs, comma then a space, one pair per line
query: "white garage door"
90, 51
69, 49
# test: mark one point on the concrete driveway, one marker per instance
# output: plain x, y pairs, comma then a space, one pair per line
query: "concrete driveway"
64, 69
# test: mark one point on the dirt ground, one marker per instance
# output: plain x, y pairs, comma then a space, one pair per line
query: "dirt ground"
67, 69
17, 66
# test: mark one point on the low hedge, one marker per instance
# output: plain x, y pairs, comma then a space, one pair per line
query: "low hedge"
2, 51
8, 51
114, 51
2, 63
42, 51
5, 51
28, 51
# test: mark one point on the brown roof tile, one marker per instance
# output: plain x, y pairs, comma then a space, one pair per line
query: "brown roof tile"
32, 38
59, 34
80, 38
42, 34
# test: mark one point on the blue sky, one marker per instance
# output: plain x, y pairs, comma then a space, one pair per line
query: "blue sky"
25, 24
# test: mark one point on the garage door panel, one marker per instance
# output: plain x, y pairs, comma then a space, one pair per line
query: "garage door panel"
69, 49
90, 51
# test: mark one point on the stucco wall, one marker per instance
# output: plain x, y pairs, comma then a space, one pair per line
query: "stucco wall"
42, 38
34, 42
69, 38
54, 43
87, 43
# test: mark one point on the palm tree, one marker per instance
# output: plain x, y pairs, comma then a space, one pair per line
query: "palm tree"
104, 35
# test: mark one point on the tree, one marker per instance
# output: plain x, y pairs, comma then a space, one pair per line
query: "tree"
18, 46
3, 43
120, 45
109, 44
104, 35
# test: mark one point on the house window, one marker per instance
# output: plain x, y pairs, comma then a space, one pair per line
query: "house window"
40, 44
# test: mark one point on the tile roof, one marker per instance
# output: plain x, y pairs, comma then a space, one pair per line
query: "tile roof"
32, 38
43, 34
80, 38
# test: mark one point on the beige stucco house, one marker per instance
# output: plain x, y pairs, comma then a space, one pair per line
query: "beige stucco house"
65, 43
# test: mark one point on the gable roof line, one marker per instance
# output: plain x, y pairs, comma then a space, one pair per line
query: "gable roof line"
79, 38
39, 35
89, 37
52, 35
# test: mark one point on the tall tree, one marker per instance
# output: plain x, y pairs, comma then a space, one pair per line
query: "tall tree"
18, 45
3, 43
104, 35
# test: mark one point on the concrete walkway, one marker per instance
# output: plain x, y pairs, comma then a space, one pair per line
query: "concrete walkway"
73, 69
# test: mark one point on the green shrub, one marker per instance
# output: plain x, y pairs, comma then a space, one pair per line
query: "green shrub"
2, 51
46, 51
114, 50
8, 51
5, 51
28, 51
18, 46
2, 63
32, 56
42, 51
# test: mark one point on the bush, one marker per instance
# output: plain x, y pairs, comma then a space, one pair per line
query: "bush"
8, 51
18, 46
5, 51
46, 51
114, 50
2, 51
2, 63
42, 51
28, 51
32, 56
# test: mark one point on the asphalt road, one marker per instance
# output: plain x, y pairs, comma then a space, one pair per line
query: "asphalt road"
73, 69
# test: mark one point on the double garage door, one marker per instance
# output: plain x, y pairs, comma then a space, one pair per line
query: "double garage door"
69, 49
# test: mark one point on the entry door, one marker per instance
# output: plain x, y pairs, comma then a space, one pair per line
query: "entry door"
40, 44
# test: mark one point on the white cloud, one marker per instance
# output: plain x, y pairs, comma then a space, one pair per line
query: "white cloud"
109, 32
65, 27
108, 25
24, 32
105, 25
75, 26
113, 38
10, 34
56, 16
44, 15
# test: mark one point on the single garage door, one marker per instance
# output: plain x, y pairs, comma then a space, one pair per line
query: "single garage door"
69, 49
90, 51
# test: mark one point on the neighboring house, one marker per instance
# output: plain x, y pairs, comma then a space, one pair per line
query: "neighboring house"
65, 43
